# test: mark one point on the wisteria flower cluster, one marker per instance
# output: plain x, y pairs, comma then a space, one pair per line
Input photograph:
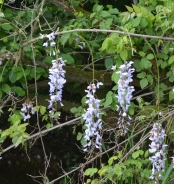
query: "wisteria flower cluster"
57, 81
157, 147
124, 95
50, 41
26, 110
92, 117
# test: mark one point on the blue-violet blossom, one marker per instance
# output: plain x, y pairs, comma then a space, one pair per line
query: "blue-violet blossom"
157, 147
57, 81
124, 95
92, 117
26, 110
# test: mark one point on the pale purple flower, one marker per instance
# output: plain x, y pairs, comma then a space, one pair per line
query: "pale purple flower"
42, 36
45, 44
124, 95
113, 67
52, 44
51, 36
57, 81
92, 118
81, 45
26, 110
157, 147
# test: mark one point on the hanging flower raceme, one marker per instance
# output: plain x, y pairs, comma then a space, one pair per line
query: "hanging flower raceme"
26, 110
124, 95
57, 81
51, 37
92, 118
157, 147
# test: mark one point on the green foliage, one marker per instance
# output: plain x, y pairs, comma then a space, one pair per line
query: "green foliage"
135, 167
17, 131
24, 62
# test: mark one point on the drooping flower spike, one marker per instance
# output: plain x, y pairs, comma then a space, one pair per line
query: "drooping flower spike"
92, 118
157, 147
124, 95
57, 81
50, 42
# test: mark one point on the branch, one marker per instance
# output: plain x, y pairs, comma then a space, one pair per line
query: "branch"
103, 31
43, 132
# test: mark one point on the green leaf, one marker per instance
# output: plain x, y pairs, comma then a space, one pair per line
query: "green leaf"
136, 9
171, 95
171, 60
42, 110
105, 14
109, 99
135, 155
108, 63
15, 45
64, 38
130, 9
22, 127
150, 56
92, 15
49, 125
141, 53
118, 170
94, 21
164, 64
143, 83
48, 15
150, 78
6, 88
98, 8
48, 59
166, 174
68, 58
18, 90
17, 140
27, 49
74, 110
13, 76
83, 142
6, 27
19, 75
108, 23
90, 171
136, 21
124, 55
79, 136
143, 22
8, 12
145, 64
141, 75
110, 161
115, 77
146, 154
6, 132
